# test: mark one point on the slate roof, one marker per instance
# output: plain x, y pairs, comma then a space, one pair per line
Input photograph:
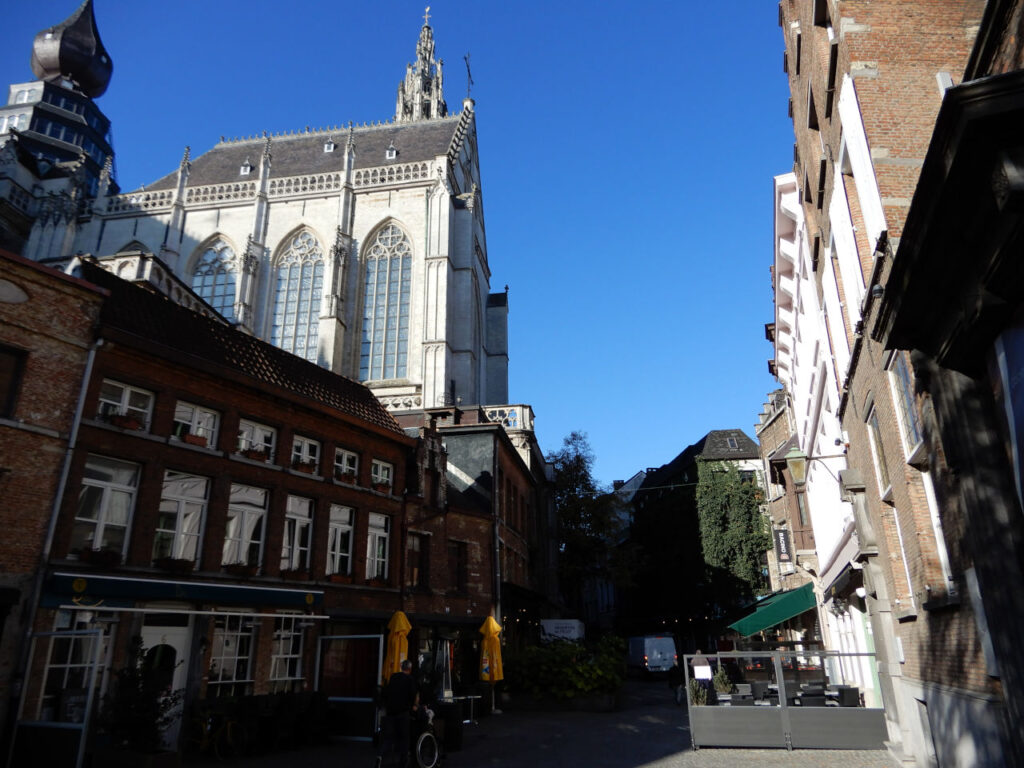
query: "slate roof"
713, 446
157, 320
303, 153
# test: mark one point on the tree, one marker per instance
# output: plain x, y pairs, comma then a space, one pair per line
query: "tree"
589, 521
733, 530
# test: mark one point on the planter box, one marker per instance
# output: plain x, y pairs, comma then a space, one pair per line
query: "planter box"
241, 570
382, 487
339, 578
174, 564
345, 477
199, 440
126, 422
256, 454
301, 466
100, 558
295, 575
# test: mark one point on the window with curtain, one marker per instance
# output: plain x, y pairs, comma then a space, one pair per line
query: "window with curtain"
385, 346
214, 278
300, 284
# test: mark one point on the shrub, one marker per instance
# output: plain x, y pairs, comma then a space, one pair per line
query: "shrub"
698, 693
721, 681
566, 670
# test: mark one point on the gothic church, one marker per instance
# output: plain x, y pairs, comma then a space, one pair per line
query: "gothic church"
361, 248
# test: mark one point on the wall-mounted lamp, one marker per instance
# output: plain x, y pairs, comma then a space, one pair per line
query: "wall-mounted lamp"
797, 461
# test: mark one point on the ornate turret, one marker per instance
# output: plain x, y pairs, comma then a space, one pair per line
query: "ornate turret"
73, 50
421, 93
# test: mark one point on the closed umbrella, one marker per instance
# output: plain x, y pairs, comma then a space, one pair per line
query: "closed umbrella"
490, 652
398, 644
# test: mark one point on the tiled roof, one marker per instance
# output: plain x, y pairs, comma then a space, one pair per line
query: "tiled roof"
303, 153
159, 321
714, 446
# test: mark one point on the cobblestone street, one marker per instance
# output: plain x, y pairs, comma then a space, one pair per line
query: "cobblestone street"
649, 732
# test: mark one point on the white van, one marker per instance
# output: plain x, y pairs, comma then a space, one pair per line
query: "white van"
652, 653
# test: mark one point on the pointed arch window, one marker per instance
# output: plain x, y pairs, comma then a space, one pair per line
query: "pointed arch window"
214, 278
385, 347
300, 284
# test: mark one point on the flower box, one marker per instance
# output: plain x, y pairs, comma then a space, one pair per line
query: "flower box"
345, 477
100, 558
295, 574
256, 454
126, 421
309, 467
199, 440
339, 578
382, 487
378, 583
174, 564
241, 570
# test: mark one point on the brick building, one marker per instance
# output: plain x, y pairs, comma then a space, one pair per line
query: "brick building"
867, 81
47, 323
254, 516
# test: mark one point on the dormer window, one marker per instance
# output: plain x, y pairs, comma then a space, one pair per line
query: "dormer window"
392, 153
246, 168
328, 146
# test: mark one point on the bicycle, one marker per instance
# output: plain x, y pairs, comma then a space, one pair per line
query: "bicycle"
423, 745
215, 732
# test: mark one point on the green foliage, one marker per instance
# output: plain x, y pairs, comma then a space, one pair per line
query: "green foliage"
566, 670
734, 532
590, 523
140, 703
698, 693
721, 681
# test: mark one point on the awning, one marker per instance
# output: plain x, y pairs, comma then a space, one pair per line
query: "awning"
776, 609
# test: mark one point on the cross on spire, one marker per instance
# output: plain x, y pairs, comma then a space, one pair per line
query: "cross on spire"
426, 17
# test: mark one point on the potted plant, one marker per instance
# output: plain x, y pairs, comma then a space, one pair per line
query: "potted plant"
102, 557
305, 465
241, 570
139, 706
382, 487
723, 686
256, 453
345, 476
698, 693
193, 439
175, 564
126, 421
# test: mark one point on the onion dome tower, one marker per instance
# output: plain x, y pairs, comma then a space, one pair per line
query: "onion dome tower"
72, 51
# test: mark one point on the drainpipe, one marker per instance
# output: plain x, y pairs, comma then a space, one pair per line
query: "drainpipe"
497, 536
18, 680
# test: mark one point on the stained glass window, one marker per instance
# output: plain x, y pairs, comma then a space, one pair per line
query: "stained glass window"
385, 344
300, 283
214, 278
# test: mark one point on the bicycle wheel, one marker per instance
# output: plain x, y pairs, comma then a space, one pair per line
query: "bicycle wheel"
427, 753
230, 740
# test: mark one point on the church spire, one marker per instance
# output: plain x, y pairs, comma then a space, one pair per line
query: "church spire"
73, 50
421, 93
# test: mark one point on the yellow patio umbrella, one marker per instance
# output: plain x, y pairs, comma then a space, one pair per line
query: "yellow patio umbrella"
490, 652
398, 644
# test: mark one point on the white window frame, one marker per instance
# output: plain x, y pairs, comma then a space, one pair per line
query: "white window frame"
346, 463
339, 540
940, 539
191, 419
234, 642
119, 399
252, 522
905, 407
69, 658
255, 436
184, 496
305, 450
107, 491
878, 453
298, 534
378, 542
286, 673
382, 472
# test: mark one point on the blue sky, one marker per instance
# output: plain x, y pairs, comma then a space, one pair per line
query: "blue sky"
627, 157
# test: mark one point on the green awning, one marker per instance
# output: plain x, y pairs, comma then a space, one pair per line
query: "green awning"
776, 609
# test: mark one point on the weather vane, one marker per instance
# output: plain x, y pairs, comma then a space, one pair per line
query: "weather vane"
469, 77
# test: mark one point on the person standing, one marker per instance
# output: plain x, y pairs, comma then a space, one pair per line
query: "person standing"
675, 682
401, 700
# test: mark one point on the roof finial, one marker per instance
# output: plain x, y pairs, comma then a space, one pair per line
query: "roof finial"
426, 17
469, 77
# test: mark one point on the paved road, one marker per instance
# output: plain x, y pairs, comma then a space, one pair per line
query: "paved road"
649, 732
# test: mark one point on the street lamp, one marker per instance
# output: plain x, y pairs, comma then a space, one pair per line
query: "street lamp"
797, 461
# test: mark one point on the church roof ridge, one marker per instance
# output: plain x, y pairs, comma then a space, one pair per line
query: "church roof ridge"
334, 129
